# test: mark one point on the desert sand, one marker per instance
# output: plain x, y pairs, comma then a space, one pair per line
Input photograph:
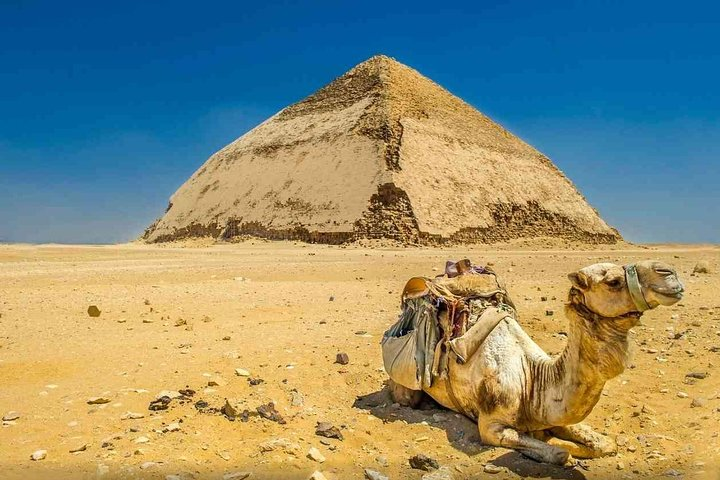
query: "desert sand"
174, 318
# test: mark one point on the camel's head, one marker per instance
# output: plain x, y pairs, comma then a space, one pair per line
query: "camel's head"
611, 290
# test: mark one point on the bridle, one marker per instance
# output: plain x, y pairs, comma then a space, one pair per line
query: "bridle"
635, 289
577, 299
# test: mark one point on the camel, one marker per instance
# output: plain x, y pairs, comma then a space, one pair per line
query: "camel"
524, 399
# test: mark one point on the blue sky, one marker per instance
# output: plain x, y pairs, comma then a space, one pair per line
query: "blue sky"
107, 107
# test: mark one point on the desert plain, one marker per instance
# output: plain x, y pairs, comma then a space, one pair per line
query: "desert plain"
258, 322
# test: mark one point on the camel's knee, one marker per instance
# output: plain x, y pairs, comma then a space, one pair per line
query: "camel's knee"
404, 396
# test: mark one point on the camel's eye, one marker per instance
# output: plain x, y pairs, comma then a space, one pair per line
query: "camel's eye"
615, 283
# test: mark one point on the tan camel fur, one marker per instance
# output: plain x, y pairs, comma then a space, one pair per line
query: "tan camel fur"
524, 399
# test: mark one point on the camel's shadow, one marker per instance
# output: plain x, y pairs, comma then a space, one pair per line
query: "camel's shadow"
461, 433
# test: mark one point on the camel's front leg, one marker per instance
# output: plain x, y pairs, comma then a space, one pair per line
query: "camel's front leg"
589, 443
504, 436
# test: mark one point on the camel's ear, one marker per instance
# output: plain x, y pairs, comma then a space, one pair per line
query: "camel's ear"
579, 280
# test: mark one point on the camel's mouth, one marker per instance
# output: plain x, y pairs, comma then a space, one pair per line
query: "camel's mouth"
667, 296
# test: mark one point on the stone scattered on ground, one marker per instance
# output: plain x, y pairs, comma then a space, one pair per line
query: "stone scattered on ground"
314, 454
131, 416
342, 358
698, 402
236, 475
423, 462
10, 416
492, 469
161, 403
93, 311
97, 400
171, 394
231, 408
281, 444
374, 475
703, 266
172, 427
268, 412
79, 448
38, 455
241, 372
296, 398
328, 430
317, 475
443, 473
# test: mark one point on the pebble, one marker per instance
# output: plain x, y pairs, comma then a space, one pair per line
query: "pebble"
97, 400
647, 410
10, 416
231, 408
316, 475
296, 398
147, 465
328, 430
132, 416
492, 469
698, 375
142, 439
443, 473
80, 448
38, 455
672, 473
314, 454
93, 311
282, 444
373, 475
242, 372
698, 402
268, 412
702, 267
342, 358
382, 460
236, 475
682, 395
173, 427
620, 466
423, 462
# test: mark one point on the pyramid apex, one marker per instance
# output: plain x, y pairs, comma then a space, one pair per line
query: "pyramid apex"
379, 59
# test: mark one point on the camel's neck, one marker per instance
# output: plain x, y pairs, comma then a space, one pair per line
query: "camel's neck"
568, 386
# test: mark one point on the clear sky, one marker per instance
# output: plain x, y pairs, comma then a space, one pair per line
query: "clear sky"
107, 107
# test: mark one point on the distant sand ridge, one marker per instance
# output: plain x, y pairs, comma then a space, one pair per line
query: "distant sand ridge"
381, 152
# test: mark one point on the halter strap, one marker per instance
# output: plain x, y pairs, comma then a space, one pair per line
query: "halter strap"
633, 283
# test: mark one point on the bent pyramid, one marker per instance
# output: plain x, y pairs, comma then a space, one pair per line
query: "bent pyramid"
381, 152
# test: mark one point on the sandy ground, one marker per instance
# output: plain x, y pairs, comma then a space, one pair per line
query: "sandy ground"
283, 311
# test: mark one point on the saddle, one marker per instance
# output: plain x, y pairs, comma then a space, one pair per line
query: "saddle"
450, 314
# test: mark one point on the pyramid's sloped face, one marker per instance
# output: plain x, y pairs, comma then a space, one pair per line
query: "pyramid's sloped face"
304, 172
380, 152
468, 178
